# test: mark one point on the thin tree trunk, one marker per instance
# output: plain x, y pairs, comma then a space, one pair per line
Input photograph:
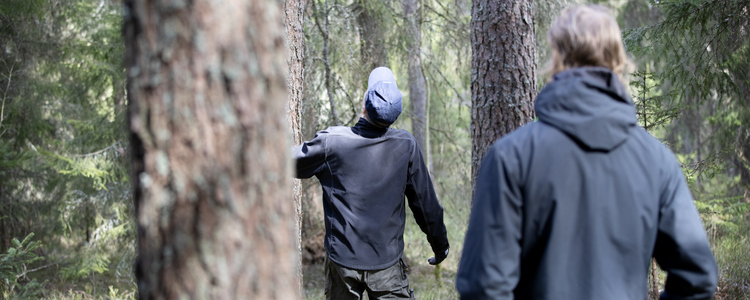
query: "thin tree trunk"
88, 220
313, 227
119, 97
697, 120
317, 15
417, 86
294, 13
503, 72
4, 240
210, 168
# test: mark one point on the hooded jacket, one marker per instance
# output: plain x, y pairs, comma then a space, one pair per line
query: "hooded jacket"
575, 205
365, 172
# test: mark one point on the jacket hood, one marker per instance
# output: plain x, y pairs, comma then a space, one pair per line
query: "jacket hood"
590, 105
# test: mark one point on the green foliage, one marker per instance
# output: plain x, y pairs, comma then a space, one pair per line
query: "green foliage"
691, 92
11, 159
86, 266
112, 294
692, 45
653, 107
63, 166
14, 267
700, 64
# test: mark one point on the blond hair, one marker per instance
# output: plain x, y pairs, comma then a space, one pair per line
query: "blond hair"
586, 35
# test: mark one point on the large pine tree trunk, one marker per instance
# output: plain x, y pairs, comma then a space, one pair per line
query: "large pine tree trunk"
503, 72
417, 87
211, 172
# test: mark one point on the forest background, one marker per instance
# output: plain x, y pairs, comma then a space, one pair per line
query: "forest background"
67, 227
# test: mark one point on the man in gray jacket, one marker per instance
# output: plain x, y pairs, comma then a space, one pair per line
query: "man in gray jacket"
365, 172
575, 205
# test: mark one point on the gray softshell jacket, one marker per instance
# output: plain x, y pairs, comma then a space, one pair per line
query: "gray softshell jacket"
575, 205
365, 172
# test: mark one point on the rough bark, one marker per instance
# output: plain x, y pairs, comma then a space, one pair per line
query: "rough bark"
503, 73
417, 87
294, 13
211, 172
654, 281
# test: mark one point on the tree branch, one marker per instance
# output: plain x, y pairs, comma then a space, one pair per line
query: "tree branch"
5, 94
33, 270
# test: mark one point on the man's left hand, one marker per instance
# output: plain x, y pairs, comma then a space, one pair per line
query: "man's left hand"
439, 257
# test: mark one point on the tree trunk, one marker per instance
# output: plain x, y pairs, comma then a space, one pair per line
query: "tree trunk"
211, 172
503, 72
372, 38
417, 87
312, 206
317, 15
4, 237
89, 218
294, 13
313, 225
654, 278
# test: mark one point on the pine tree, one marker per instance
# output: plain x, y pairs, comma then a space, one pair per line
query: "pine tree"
212, 183
503, 72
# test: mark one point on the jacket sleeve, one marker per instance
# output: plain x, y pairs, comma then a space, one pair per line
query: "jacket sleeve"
491, 259
310, 157
424, 204
682, 249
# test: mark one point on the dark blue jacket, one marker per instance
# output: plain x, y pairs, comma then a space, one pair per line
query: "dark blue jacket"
575, 205
365, 172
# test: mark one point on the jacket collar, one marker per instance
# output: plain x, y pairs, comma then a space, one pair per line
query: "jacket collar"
365, 129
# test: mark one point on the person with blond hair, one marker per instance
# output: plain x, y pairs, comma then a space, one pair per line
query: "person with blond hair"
574, 206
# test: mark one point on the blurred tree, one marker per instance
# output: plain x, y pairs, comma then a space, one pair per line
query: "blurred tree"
371, 34
417, 85
207, 101
323, 14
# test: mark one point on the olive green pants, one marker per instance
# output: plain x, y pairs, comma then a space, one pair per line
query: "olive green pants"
343, 283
